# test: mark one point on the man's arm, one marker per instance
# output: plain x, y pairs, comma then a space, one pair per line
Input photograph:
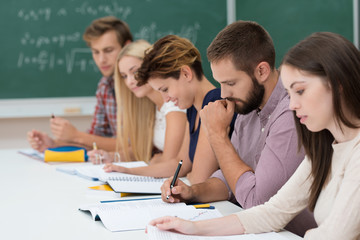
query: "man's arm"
277, 162
65, 132
231, 165
87, 140
216, 118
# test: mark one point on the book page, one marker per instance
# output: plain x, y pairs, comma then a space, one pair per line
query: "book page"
135, 215
155, 234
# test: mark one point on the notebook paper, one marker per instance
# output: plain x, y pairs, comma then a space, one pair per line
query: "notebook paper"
96, 172
155, 234
136, 184
135, 215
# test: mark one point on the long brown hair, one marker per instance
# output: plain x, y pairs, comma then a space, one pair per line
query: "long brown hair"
337, 61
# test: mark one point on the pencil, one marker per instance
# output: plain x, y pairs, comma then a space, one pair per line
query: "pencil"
97, 155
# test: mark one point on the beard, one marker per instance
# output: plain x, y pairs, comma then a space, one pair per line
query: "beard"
253, 100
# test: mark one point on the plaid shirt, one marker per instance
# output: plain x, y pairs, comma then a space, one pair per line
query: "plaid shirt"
104, 121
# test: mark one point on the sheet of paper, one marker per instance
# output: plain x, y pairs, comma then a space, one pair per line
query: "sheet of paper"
32, 153
136, 184
96, 172
155, 234
135, 215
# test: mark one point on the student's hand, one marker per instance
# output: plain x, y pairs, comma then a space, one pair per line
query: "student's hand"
100, 156
176, 224
179, 193
109, 167
39, 140
216, 117
62, 129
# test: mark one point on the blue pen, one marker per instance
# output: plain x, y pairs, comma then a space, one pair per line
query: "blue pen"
127, 200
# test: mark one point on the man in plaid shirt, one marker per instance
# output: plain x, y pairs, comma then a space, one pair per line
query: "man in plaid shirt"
106, 37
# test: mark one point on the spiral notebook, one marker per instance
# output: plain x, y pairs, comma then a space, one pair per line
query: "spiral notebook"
127, 183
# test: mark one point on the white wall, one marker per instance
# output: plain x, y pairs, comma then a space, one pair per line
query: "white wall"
13, 130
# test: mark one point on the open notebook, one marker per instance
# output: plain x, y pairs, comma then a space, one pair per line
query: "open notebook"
32, 153
128, 183
155, 233
95, 172
127, 215
119, 182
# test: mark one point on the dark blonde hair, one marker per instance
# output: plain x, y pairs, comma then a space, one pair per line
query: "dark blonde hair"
135, 116
337, 61
166, 58
245, 43
102, 25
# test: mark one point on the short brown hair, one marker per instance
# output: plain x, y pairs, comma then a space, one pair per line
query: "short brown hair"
245, 43
166, 58
102, 25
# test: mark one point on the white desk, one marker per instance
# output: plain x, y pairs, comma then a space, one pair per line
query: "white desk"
38, 202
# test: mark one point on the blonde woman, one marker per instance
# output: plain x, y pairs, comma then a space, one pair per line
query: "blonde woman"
147, 125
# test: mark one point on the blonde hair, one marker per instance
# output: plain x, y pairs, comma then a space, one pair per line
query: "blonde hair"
136, 116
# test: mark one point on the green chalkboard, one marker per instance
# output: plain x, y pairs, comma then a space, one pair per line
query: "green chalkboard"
43, 54
289, 21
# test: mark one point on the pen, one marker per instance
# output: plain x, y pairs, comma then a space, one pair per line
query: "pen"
127, 200
175, 177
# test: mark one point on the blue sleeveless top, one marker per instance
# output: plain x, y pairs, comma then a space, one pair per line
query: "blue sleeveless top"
191, 114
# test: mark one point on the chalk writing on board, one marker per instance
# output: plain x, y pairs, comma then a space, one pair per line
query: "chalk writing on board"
48, 58
77, 58
63, 51
113, 9
58, 40
35, 14
46, 13
151, 32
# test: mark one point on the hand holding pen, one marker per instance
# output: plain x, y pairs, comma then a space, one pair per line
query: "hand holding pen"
180, 192
175, 177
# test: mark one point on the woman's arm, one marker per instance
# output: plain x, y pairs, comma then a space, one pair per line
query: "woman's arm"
164, 168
